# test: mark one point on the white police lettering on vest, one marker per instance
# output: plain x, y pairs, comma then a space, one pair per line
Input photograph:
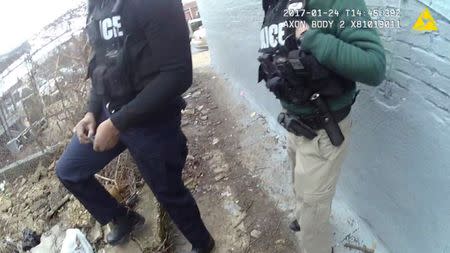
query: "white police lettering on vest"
272, 36
111, 28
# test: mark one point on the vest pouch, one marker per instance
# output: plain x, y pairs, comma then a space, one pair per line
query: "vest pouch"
116, 74
322, 80
97, 79
144, 66
299, 94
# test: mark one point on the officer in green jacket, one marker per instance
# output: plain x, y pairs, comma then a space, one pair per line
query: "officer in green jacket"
313, 71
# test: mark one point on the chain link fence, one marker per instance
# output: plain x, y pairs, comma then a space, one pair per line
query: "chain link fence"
45, 97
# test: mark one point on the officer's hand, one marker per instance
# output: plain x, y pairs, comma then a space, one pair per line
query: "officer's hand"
107, 136
85, 129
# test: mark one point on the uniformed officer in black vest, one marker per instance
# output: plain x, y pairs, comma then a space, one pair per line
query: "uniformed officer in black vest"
140, 67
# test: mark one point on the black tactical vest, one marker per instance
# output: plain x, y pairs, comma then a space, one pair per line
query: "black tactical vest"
274, 31
120, 51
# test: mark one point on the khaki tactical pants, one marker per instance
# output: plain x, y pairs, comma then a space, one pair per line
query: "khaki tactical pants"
317, 165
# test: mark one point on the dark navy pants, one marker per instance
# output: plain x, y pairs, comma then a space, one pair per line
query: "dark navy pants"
160, 151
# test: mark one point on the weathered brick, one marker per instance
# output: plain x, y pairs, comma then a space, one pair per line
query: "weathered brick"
436, 92
409, 14
441, 47
416, 71
431, 92
422, 40
403, 79
444, 28
389, 45
442, 83
402, 49
433, 95
431, 61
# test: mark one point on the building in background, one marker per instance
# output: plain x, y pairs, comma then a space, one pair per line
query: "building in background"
191, 10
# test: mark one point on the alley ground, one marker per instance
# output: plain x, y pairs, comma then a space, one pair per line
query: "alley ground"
240, 215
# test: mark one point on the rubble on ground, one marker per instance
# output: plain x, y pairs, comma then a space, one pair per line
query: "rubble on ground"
39, 204
32, 202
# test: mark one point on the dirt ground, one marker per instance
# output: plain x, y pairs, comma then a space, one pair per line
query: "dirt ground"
40, 203
237, 211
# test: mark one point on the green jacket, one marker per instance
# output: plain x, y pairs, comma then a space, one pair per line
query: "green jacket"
356, 54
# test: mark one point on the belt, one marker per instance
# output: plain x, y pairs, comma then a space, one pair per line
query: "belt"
315, 123
176, 105
168, 112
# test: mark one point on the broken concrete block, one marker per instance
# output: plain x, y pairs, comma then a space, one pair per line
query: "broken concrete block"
96, 233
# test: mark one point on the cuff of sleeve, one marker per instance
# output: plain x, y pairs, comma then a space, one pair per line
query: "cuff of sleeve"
120, 120
94, 110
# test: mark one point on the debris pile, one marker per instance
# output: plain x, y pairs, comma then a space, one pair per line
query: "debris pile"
33, 204
36, 208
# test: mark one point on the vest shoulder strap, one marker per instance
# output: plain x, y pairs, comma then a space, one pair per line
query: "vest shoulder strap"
117, 8
90, 9
266, 4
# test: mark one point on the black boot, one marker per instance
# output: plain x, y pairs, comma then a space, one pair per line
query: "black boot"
207, 249
294, 226
122, 226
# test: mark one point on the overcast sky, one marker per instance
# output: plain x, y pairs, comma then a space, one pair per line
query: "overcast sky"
20, 19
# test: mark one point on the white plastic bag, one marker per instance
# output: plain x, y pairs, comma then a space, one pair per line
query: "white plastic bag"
75, 242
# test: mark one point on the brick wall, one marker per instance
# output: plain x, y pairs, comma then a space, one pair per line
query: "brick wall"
420, 62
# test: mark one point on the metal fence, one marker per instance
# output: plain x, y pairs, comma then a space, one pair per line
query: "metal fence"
46, 99
45, 94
